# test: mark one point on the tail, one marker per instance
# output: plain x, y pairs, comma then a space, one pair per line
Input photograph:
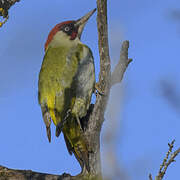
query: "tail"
76, 143
82, 155
80, 152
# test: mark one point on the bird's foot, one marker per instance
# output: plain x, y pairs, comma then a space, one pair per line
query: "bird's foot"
98, 90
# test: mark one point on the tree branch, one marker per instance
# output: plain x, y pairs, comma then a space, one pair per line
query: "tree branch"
123, 63
96, 118
14, 174
4, 7
105, 66
166, 162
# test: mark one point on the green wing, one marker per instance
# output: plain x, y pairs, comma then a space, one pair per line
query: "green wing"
66, 81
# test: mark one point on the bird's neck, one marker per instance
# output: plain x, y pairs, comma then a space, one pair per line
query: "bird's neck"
62, 40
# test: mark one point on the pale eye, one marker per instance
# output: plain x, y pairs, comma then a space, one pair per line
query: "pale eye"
66, 28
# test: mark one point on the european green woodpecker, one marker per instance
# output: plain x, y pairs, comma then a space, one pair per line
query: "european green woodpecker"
66, 84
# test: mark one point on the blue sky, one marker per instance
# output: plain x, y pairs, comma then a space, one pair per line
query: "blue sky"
144, 120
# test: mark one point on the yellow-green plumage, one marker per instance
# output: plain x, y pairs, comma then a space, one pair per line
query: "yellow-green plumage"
55, 81
66, 82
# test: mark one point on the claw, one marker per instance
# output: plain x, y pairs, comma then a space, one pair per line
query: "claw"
98, 90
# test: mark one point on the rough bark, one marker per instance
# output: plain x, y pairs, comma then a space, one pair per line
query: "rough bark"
95, 117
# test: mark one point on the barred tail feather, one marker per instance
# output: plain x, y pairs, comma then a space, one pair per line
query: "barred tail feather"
81, 153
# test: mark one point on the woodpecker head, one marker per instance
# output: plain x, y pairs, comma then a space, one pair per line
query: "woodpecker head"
67, 31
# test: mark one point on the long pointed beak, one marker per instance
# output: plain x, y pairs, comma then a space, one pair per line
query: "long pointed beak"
80, 23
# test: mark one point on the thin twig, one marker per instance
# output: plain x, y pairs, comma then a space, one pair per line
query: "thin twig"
163, 165
166, 161
172, 159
